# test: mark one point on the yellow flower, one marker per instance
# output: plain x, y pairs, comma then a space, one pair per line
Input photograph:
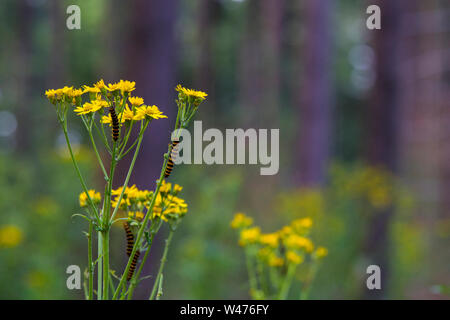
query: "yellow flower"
87, 89
151, 112
293, 257
320, 252
95, 197
285, 231
191, 93
100, 85
91, 107
52, 95
10, 236
122, 85
136, 101
249, 236
294, 241
275, 261
128, 114
269, 239
177, 188
138, 215
240, 220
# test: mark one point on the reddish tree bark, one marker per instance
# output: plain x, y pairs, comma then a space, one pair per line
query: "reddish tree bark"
315, 94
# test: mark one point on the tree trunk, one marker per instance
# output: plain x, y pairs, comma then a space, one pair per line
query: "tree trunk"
315, 98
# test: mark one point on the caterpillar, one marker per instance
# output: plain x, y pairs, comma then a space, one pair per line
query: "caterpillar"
130, 244
114, 123
173, 155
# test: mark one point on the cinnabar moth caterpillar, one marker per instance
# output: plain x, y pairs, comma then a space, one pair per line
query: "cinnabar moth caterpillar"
133, 265
130, 244
114, 123
172, 156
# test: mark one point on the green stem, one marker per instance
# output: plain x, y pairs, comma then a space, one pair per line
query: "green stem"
130, 170
304, 293
161, 266
77, 169
99, 265
287, 282
90, 266
251, 273
105, 264
97, 154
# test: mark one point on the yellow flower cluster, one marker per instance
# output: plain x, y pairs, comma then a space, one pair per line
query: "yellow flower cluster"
100, 94
290, 244
94, 195
10, 236
168, 206
190, 95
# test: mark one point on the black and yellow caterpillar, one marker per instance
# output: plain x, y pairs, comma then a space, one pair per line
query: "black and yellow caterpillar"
172, 156
130, 244
114, 123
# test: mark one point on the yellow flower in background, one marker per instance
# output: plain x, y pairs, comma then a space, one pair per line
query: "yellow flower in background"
10, 236
191, 93
285, 231
293, 257
151, 112
269, 239
320, 252
294, 241
240, 220
138, 215
36, 279
249, 236
275, 261
94, 195
136, 101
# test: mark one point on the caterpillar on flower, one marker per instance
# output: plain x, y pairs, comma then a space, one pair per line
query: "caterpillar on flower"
172, 156
114, 123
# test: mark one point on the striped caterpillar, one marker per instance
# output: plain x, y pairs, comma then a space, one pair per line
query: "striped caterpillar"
114, 123
173, 155
130, 244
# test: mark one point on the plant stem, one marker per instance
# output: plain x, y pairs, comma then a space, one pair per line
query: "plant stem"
287, 282
99, 265
161, 266
77, 169
90, 266
130, 170
97, 154
251, 273
105, 264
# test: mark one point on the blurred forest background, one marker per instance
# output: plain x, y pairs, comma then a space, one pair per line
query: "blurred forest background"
363, 117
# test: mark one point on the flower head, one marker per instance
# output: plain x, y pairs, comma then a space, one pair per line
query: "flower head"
293, 257
10, 236
240, 220
149, 112
136, 101
94, 195
91, 107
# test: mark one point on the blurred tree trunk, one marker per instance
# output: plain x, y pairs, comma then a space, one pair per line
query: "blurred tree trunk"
23, 71
205, 73
260, 63
315, 94
149, 60
382, 122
